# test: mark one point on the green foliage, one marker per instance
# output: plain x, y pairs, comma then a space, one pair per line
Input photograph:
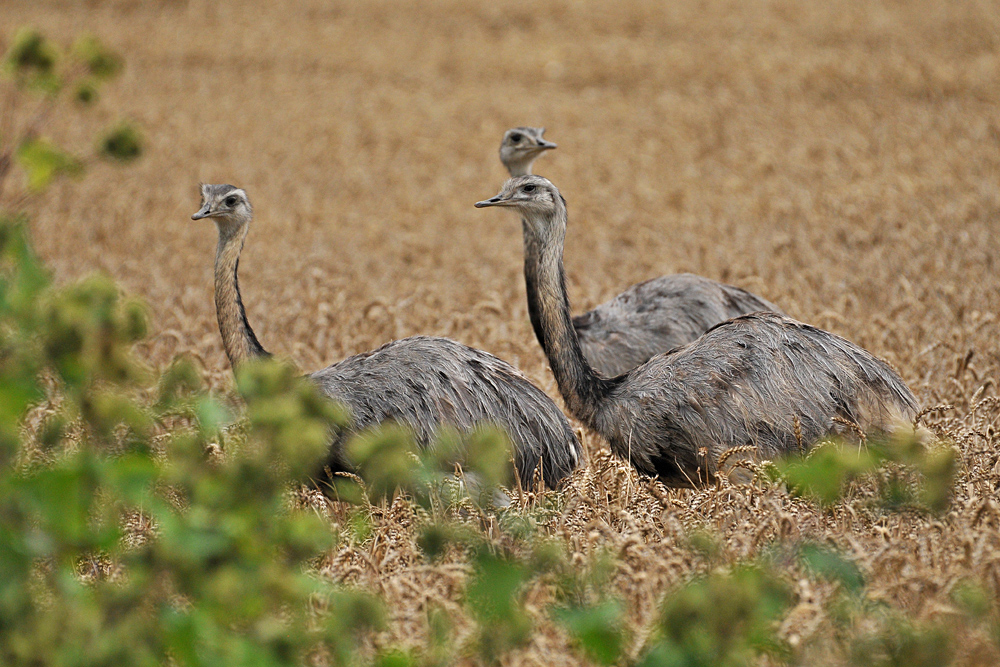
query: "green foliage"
34, 66
434, 539
706, 544
42, 161
21, 279
830, 565
86, 92
910, 473
725, 618
86, 333
395, 659
598, 630
824, 473
972, 600
389, 460
290, 417
386, 458
101, 62
122, 143
32, 61
219, 574
887, 639
494, 597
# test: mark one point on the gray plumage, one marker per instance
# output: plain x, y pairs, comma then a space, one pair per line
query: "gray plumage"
648, 318
658, 315
421, 382
760, 380
424, 382
521, 146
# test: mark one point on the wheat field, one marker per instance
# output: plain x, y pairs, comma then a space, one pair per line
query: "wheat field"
839, 159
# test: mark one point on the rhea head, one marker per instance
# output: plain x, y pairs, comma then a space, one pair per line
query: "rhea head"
227, 205
521, 146
530, 195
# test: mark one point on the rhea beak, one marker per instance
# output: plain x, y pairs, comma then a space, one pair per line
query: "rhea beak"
203, 212
495, 201
546, 145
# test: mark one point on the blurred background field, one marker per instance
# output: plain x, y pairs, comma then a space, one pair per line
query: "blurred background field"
840, 159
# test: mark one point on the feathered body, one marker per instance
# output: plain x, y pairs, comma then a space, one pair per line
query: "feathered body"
648, 318
760, 380
422, 382
658, 315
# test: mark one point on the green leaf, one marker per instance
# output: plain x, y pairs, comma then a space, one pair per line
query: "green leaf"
598, 630
386, 457
42, 161
32, 61
824, 473
395, 659
489, 456
830, 565
63, 498
972, 599
101, 62
938, 468
85, 92
723, 619
122, 143
493, 597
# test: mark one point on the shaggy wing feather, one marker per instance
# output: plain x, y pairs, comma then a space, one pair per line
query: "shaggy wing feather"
658, 315
747, 382
424, 382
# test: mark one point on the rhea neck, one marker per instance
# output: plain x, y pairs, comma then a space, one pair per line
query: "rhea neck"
237, 336
548, 306
520, 167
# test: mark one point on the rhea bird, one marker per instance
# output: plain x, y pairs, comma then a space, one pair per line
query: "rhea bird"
650, 317
521, 146
761, 381
421, 382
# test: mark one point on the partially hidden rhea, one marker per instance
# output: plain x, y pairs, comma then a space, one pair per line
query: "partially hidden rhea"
761, 380
650, 317
421, 382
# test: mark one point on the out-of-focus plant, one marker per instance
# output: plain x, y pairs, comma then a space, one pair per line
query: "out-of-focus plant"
724, 618
456, 466
599, 629
214, 567
39, 79
870, 633
909, 472
494, 596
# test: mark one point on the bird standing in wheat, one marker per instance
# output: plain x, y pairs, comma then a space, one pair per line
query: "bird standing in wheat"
422, 382
650, 317
763, 382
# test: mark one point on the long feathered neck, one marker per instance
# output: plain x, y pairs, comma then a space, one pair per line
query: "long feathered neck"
237, 337
520, 167
548, 307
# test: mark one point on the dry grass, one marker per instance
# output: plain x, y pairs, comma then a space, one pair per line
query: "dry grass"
840, 159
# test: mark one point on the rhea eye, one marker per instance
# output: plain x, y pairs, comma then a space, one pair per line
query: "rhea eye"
516, 137
528, 188
230, 202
